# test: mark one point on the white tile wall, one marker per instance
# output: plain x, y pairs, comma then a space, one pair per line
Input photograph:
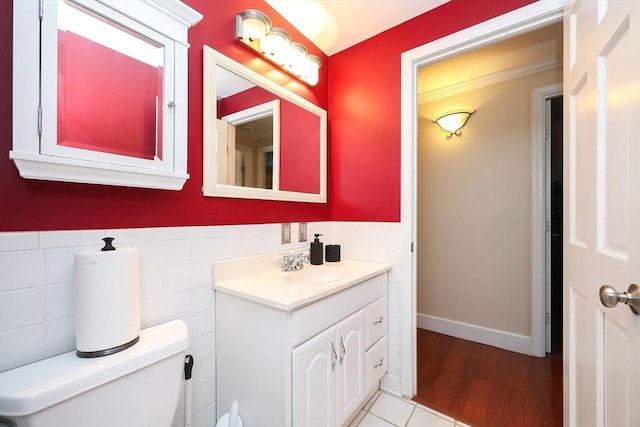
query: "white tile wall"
36, 286
378, 242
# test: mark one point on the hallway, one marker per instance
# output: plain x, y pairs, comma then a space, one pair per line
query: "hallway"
485, 386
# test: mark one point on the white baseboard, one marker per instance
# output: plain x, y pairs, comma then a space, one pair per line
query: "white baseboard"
493, 337
391, 383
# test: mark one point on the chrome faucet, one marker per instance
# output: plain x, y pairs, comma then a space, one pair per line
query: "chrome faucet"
294, 261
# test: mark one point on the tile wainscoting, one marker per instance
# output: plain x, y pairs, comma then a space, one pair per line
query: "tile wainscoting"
37, 294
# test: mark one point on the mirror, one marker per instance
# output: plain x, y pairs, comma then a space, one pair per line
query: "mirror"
99, 59
245, 139
260, 140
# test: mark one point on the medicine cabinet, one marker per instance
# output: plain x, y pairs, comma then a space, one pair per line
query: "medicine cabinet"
100, 91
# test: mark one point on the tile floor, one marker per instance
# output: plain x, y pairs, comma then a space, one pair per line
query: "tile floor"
388, 410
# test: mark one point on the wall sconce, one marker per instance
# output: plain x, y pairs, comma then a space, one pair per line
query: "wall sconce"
254, 30
453, 122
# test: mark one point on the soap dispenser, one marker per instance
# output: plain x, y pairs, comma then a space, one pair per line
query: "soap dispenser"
316, 252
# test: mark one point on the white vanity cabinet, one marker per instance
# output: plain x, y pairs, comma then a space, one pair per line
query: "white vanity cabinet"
304, 367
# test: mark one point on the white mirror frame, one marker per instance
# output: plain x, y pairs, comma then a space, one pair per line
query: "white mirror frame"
210, 186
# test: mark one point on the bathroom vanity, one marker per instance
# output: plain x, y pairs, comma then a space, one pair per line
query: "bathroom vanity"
300, 348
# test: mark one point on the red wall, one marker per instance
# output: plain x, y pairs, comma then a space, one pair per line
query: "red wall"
299, 149
364, 109
364, 132
99, 86
242, 100
40, 205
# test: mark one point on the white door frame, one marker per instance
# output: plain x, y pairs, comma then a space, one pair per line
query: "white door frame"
525, 19
540, 200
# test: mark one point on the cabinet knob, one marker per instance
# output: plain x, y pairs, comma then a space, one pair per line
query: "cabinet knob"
171, 104
334, 357
379, 364
380, 319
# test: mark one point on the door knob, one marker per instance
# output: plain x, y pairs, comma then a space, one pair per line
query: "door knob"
609, 297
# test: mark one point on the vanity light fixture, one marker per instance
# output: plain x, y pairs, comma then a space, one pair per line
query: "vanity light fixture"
453, 122
254, 29
251, 27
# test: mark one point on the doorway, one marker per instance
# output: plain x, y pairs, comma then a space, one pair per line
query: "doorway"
474, 382
553, 213
527, 18
477, 199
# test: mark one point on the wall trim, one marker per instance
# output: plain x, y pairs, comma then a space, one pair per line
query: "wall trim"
489, 79
480, 334
390, 383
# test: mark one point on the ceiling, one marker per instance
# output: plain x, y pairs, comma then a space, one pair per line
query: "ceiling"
335, 25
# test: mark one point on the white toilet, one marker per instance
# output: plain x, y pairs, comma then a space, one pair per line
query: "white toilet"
137, 387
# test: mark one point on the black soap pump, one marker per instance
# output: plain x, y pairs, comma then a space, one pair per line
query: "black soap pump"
316, 253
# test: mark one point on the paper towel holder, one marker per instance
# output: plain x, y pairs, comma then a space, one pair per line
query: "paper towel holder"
92, 352
108, 351
108, 244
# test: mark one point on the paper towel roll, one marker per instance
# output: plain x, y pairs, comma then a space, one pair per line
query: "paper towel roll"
107, 289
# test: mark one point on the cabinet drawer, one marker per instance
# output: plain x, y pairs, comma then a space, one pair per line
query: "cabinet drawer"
376, 361
375, 321
315, 318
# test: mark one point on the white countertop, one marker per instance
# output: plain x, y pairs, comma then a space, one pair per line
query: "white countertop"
270, 287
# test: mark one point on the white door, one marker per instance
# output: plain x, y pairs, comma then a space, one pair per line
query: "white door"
244, 166
226, 147
314, 381
350, 374
222, 154
602, 211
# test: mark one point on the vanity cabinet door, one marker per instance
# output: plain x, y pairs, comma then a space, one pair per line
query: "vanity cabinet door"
329, 374
350, 375
314, 381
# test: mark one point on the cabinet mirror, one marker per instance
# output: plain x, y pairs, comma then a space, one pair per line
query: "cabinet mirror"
260, 140
100, 91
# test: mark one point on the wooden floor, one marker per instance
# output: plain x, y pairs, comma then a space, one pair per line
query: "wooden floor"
485, 386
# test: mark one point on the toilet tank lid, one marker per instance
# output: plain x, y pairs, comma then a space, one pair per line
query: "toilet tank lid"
31, 388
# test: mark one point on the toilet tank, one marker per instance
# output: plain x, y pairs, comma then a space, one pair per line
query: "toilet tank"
139, 386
